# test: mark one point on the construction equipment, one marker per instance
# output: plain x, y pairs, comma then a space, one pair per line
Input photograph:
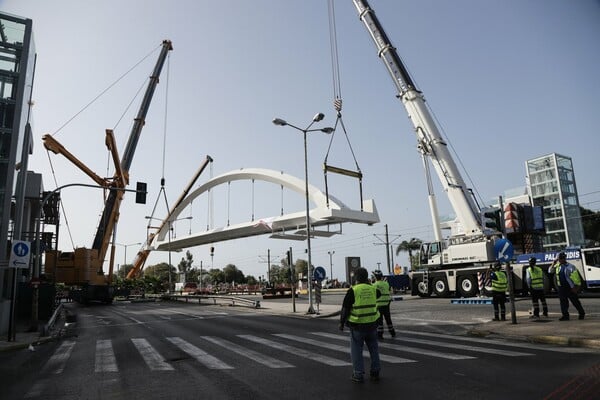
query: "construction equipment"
458, 263
144, 252
470, 244
83, 268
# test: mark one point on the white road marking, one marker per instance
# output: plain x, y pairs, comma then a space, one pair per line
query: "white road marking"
344, 349
153, 359
270, 362
105, 357
296, 351
416, 350
199, 354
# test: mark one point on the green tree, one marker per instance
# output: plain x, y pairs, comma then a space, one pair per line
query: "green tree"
160, 273
233, 274
214, 276
413, 244
185, 265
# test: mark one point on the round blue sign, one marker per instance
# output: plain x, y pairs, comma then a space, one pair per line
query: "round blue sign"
319, 274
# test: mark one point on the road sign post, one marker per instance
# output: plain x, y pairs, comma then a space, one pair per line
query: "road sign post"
504, 251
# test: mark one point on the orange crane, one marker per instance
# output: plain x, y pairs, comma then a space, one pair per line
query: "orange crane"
83, 268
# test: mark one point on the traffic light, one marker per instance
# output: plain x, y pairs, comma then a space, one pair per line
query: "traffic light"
491, 219
140, 192
512, 220
212, 251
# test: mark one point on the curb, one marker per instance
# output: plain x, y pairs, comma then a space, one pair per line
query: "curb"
542, 339
25, 345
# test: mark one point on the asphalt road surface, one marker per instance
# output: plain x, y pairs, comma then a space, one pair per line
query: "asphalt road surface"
189, 351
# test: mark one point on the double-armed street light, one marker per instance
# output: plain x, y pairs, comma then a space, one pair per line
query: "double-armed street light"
328, 130
170, 227
331, 253
125, 246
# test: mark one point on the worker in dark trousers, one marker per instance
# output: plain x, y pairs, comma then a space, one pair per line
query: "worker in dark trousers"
359, 313
383, 304
535, 280
499, 285
568, 284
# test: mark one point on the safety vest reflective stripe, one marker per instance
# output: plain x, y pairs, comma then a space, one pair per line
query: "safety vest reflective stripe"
364, 309
537, 277
500, 283
385, 297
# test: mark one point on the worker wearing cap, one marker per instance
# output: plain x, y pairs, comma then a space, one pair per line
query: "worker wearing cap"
535, 280
499, 285
568, 284
383, 304
359, 313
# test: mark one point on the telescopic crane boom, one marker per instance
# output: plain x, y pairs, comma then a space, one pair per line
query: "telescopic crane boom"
429, 140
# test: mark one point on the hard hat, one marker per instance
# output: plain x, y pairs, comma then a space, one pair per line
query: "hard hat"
532, 260
498, 265
377, 273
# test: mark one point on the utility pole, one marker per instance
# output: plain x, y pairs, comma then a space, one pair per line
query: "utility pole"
268, 264
387, 244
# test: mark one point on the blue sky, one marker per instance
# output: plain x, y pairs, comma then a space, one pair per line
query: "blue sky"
507, 80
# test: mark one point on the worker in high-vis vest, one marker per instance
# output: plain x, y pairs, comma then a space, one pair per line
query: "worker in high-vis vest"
359, 313
383, 304
534, 276
568, 284
499, 286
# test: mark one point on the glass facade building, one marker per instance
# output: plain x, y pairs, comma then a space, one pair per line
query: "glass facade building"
551, 181
17, 63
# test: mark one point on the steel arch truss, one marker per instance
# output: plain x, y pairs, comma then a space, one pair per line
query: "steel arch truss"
288, 226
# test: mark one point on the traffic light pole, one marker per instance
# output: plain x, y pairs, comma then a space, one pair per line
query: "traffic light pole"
511, 288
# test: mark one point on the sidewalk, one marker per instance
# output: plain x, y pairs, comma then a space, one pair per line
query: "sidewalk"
26, 338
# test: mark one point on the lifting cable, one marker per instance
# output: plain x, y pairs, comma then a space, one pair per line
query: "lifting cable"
337, 102
75, 116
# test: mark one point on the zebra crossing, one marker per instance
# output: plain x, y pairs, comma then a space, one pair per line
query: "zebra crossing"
270, 350
331, 349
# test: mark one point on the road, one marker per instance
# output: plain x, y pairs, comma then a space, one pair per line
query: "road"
187, 351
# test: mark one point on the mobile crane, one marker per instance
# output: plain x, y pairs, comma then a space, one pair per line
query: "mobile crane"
453, 265
83, 268
457, 260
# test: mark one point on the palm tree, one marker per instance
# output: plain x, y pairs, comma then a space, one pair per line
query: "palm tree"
412, 244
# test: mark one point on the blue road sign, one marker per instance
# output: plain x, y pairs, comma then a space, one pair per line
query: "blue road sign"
504, 250
319, 273
19, 255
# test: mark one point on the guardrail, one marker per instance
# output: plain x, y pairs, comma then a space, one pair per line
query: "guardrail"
193, 297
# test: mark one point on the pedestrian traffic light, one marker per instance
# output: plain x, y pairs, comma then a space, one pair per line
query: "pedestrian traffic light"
140, 192
491, 219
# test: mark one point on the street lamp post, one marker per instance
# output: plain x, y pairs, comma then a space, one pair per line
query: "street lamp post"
170, 227
331, 253
125, 246
280, 122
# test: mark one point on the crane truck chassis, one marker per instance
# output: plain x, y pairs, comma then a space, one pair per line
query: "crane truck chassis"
468, 281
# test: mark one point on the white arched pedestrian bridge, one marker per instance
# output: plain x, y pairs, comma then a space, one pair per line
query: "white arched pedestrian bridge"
326, 211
